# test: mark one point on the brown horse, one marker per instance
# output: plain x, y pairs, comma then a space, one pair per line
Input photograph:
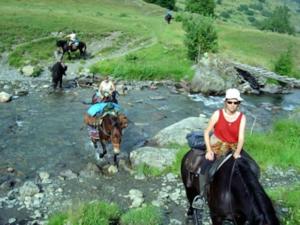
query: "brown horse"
234, 194
106, 128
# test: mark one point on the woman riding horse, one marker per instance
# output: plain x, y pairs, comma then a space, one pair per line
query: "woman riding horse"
234, 194
226, 192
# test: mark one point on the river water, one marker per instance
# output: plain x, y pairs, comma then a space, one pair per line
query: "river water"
45, 132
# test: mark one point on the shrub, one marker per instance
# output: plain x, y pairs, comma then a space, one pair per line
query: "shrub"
279, 21
243, 7
203, 7
284, 64
225, 14
201, 35
251, 19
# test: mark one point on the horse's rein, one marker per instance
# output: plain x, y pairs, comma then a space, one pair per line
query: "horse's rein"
230, 181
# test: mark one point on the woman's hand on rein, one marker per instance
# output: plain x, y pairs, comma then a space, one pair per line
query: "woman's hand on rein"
236, 156
209, 155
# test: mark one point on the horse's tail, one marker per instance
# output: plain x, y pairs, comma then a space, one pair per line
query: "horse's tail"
261, 200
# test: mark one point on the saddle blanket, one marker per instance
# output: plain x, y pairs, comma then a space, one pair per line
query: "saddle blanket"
101, 107
93, 132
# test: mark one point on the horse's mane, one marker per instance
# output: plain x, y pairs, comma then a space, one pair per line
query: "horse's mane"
262, 205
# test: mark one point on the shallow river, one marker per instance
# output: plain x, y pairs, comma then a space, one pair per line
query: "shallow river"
45, 132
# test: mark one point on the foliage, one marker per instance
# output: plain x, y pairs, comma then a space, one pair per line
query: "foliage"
100, 213
169, 4
279, 21
201, 35
288, 197
225, 14
175, 167
149, 215
278, 147
58, 219
203, 7
284, 64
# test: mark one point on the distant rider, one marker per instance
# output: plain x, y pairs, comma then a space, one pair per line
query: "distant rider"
73, 41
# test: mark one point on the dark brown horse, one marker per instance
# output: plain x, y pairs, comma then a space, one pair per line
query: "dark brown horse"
234, 195
106, 128
64, 45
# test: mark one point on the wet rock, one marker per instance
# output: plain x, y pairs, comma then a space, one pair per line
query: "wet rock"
44, 176
176, 133
154, 157
136, 196
28, 189
21, 92
68, 174
91, 170
5, 97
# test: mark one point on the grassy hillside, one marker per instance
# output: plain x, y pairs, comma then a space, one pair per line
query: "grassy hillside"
27, 26
248, 12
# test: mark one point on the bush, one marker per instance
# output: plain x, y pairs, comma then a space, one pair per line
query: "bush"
225, 15
279, 21
201, 35
203, 7
169, 4
251, 19
284, 64
243, 7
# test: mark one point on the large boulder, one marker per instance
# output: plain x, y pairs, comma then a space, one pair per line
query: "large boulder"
4, 97
28, 70
213, 76
154, 157
176, 133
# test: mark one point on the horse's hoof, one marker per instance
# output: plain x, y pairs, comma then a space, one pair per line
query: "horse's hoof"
97, 156
102, 154
190, 212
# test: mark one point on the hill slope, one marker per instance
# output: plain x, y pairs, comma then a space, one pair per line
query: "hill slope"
28, 28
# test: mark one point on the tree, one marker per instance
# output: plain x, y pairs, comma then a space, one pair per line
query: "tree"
279, 21
201, 35
284, 64
204, 7
169, 4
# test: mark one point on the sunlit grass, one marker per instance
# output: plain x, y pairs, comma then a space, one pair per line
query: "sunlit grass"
279, 147
288, 197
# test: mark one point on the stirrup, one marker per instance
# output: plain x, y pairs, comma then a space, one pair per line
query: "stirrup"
198, 202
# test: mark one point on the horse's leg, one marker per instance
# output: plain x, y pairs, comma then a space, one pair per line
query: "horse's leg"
60, 82
103, 149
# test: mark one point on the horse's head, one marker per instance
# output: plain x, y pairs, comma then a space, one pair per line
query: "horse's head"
123, 121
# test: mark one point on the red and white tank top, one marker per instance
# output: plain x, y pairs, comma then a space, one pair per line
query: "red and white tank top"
227, 131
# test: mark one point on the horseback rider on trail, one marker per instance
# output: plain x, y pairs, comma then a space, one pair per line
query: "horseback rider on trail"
73, 41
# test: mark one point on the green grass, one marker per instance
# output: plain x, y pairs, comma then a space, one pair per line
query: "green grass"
149, 215
257, 47
288, 197
103, 213
279, 147
93, 213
